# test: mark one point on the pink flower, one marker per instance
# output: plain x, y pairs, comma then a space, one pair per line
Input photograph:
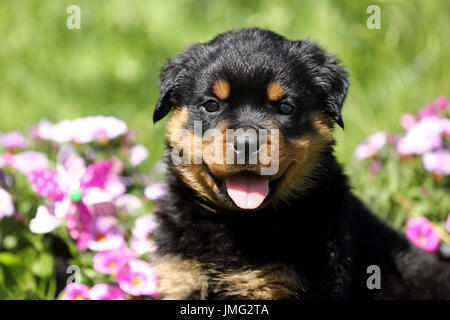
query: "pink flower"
424, 136
144, 226
105, 291
28, 161
141, 240
427, 112
6, 204
106, 234
75, 291
437, 162
110, 262
138, 154
77, 185
447, 225
13, 140
155, 191
95, 128
434, 108
421, 233
408, 121
115, 186
129, 203
442, 103
371, 145
138, 278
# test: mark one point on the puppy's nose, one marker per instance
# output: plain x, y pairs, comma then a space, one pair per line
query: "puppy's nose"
246, 145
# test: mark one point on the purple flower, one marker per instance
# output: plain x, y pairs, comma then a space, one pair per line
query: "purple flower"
437, 162
13, 140
371, 145
138, 154
425, 136
421, 233
6, 204
155, 191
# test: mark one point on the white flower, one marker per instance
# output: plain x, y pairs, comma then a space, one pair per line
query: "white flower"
138, 154
6, 204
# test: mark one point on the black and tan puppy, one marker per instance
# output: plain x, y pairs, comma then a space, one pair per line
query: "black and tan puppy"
228, 231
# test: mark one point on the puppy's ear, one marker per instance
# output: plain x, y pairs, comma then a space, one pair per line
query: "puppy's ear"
169, 79
330, 77
335, 82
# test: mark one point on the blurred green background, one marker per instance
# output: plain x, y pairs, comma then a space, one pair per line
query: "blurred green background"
110, 66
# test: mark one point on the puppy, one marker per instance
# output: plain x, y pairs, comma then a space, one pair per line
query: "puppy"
274, 218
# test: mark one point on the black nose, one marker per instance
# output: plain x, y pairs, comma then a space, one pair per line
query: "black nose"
246, 145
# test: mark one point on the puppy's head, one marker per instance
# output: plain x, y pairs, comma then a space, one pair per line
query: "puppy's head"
253, 115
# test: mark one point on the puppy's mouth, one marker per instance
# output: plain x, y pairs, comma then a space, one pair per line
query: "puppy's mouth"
247, 190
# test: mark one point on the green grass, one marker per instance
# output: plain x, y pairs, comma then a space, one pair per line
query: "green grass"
110, 66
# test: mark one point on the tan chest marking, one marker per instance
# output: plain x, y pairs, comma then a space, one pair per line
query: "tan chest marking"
180, 278
271, 282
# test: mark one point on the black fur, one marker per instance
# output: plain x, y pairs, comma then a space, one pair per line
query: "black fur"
325, 234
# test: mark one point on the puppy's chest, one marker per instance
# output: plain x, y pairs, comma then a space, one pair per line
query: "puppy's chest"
189, 279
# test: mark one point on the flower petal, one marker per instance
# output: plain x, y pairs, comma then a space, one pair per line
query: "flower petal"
45, 183
45, 220
96, 174
70, 166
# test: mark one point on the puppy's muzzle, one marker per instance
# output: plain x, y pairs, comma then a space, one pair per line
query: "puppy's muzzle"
246, 146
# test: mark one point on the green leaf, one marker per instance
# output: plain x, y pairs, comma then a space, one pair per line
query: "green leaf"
43, 267
9, 259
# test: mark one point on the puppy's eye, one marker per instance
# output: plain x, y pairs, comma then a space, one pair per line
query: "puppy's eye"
211, 106
286, 108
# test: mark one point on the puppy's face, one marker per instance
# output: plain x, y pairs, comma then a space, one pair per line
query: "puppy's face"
253, 114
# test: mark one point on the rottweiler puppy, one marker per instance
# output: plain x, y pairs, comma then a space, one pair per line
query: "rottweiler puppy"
257, 205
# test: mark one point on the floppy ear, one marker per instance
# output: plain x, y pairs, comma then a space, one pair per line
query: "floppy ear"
330, 77
336, 84
169, 79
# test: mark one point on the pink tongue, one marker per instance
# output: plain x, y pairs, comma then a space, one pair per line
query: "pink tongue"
248, 191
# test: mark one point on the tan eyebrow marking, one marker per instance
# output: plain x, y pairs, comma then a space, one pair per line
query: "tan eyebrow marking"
222, 89
274, 91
